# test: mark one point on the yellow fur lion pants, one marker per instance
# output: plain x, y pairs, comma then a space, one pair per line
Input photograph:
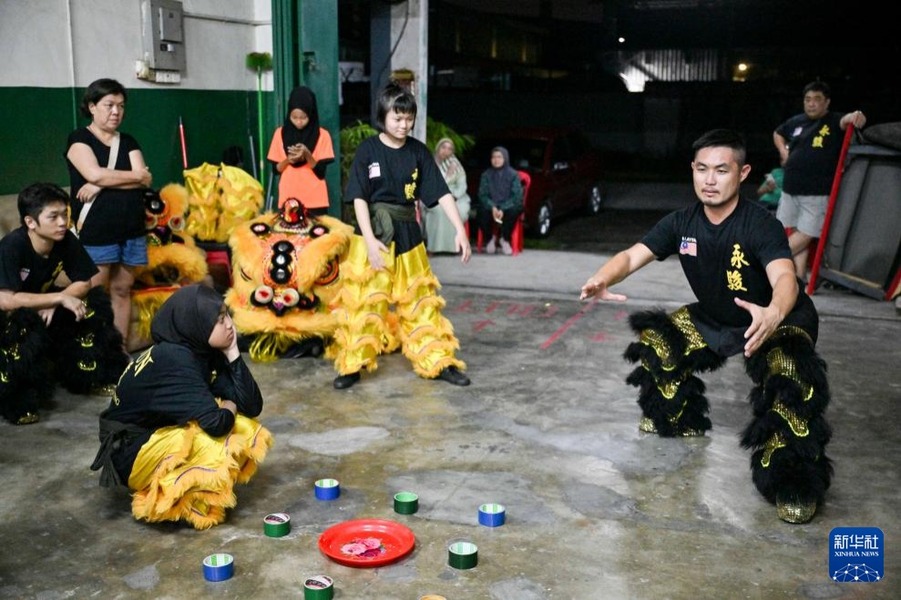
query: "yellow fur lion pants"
366, 325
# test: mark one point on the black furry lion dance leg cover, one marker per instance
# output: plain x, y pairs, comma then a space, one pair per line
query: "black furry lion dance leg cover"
670, 351
789, 432
84, 356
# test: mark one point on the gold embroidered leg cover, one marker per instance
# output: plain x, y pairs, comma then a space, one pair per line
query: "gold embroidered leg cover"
670, 351
362, 306
182, 473
789, 432
25, 374
426, 335
87, 354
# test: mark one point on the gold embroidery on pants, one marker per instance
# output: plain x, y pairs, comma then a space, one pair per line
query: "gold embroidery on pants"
797, 424
668, 389
781, 364
652, 338
775, 442
789, 330
682, 319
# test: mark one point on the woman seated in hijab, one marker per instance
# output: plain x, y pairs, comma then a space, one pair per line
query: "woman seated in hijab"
179, 430
500, 201
439, 231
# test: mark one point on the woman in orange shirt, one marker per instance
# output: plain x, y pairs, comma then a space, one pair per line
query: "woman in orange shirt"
300, 151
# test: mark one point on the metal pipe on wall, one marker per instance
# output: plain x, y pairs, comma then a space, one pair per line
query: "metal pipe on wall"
71, 41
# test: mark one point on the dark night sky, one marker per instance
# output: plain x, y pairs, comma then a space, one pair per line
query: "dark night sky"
716, 23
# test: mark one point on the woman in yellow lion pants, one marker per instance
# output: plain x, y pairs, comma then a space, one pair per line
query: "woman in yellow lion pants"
180, 429
387, 262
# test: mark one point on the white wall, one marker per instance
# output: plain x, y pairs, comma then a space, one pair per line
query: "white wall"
34, 44
70, 43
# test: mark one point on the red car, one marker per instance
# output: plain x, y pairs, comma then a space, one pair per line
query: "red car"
565, 171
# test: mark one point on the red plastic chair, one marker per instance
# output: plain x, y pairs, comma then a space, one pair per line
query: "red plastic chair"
517, 238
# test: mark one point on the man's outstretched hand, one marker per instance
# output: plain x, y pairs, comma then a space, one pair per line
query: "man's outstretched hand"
598, 289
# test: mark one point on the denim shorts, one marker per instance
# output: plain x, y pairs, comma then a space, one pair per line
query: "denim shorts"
132, 252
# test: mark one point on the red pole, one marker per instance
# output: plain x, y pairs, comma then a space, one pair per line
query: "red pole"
833, 196
184, 148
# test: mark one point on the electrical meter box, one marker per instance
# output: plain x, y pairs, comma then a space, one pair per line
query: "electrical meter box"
163, 34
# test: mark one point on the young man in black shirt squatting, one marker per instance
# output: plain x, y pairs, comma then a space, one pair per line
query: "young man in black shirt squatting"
736, 258
50, 333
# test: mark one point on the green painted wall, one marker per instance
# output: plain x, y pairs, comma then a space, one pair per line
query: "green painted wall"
33, 136
38, 121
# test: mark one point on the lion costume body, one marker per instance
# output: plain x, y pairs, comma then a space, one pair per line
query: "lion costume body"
173, 259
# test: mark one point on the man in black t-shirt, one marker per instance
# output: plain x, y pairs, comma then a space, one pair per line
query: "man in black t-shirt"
48, 332
736, 258
809, 145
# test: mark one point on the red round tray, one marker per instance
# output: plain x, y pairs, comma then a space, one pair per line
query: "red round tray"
366, 542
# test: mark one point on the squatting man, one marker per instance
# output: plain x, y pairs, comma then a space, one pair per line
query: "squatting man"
737, 260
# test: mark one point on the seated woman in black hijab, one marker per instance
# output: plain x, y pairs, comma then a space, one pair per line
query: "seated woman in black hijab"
179, 430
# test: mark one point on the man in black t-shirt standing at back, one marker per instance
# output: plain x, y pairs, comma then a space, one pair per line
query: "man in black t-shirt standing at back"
736, 258
809, 146
47, 332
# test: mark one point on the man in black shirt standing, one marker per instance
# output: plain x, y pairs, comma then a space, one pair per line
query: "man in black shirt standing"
809, 145
736, 258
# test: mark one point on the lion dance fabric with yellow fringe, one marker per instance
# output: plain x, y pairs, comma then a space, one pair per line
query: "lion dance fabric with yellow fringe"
173, 258
182, 473
220, 199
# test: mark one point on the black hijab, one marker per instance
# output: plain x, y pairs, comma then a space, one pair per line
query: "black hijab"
187, 318
500, 181
303, 98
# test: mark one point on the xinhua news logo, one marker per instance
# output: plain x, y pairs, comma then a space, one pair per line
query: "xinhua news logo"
856, 555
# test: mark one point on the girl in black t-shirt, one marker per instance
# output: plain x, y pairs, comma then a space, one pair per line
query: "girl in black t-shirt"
387, 263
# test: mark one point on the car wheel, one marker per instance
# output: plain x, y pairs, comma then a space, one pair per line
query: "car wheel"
543, 222
595, 199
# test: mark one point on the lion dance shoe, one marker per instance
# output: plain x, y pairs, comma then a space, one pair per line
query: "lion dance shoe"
342, 382
453, 376
796, 512
28, 418
646, 425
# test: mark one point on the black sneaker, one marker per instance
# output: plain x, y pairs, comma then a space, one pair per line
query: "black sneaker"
28, 418
307, 347
453, 375
342, 382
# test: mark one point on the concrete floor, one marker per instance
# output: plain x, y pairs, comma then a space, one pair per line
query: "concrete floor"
548, 428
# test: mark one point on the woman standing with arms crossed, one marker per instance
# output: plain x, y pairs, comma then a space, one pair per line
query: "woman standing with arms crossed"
107, 176
300, 151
